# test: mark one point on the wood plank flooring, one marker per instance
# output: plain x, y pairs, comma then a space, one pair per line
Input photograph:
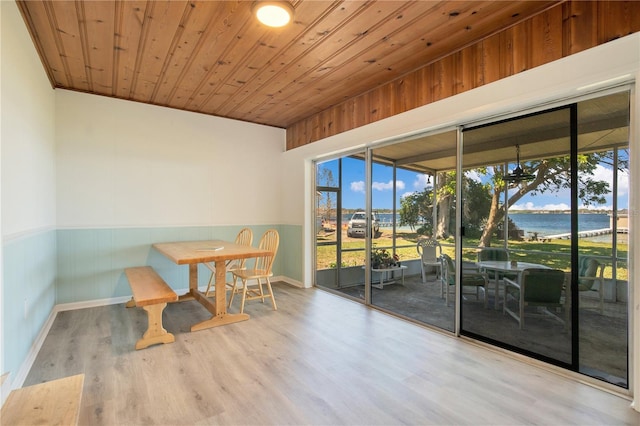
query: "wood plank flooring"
319, 359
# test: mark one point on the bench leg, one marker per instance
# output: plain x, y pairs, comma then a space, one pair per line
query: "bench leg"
155, 333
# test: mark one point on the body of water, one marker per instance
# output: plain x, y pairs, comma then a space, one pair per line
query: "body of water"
558, 223
542, 223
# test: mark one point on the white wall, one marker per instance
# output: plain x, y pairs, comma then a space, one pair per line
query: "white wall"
126, 164
603, 66
28, 146
27, 151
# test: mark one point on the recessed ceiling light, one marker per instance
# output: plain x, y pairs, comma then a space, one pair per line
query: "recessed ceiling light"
273, 13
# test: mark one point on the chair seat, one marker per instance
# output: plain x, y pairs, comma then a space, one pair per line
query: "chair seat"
251, 274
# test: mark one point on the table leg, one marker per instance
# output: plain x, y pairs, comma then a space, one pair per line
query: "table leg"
219, 309
497, 290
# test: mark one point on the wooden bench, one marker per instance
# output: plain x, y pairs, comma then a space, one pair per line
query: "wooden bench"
152, 294
51, 403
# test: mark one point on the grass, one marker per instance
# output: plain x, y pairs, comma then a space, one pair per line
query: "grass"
552, 253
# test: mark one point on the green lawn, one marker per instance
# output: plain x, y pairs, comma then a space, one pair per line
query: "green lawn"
554, 254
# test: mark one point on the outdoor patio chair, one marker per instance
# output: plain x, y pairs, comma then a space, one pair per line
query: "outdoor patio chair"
245, 238
474, 279
591, 278
429, 251
540, 288
495, 253
259, 273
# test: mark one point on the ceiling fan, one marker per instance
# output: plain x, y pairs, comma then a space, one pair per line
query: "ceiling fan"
518, 174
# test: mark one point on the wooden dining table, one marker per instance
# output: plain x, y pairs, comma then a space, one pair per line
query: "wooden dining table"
194, 252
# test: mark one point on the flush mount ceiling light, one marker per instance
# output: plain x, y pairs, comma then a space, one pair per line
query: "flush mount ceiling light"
273, 13
518, 175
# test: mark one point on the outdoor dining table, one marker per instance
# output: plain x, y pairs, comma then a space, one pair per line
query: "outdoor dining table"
219, 252
506, 266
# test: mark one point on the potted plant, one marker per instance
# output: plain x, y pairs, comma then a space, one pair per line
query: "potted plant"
382, 259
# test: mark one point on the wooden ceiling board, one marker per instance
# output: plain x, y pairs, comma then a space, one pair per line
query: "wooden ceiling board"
99, 51
161, 28
377, 61
195, 46
213, 57
70, 44
310, 64
129, 17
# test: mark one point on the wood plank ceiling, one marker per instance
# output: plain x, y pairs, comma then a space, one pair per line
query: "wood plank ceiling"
213, 57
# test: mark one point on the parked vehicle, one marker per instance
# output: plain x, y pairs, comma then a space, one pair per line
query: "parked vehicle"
358, 224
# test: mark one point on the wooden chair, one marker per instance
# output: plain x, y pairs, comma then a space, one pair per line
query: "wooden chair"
540, 288
590, 273
261, 271
245, 238
470, 278
429, 251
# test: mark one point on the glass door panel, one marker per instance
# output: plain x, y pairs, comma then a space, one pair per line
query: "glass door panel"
340, 244
516, 183
327, 224
603, 244
414, 202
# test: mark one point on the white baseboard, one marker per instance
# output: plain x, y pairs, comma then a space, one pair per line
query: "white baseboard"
289, 281
5, 387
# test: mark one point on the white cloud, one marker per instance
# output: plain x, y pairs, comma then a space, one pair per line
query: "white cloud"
406, 194
357, 186
473, 175
421, 182
530, 206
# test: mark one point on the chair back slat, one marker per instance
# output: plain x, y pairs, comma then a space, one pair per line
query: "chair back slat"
244, 238
428, 249
493, 253
270, 241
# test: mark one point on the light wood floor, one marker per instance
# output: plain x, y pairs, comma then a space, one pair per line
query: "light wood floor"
320, 359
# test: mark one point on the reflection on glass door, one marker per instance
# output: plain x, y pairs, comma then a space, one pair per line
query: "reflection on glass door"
519, 277
550, 192
542, 265
415, 206
602, 273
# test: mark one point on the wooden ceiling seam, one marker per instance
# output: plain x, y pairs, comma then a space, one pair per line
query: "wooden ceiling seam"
144, 35
118, 18
84, 44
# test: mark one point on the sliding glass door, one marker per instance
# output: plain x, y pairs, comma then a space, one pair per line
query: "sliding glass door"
540, 202
549, 191
517, 172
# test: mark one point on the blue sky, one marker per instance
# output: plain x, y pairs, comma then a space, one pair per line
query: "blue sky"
409, 182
